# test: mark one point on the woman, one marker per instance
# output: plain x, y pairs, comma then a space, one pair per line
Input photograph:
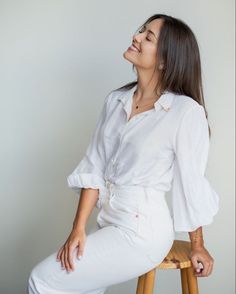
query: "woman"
152, 136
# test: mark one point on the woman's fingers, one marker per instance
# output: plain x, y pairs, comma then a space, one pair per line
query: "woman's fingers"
66, 259
205, 269
63, 258
210, 268
59, 254
70, 257
65, 253
195, 264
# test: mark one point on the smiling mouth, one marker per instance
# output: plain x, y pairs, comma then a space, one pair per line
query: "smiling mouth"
133, 48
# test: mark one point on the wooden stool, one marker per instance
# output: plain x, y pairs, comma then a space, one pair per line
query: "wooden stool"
177, 258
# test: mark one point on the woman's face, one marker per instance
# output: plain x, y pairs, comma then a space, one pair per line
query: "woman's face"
146, 43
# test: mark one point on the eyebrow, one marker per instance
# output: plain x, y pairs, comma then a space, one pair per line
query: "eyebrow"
150, 32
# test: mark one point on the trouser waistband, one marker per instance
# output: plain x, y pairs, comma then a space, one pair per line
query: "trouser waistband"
111, 187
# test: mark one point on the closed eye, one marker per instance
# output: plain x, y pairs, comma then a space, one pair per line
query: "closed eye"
146, 37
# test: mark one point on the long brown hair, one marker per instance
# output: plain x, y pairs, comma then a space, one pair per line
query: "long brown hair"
179, 52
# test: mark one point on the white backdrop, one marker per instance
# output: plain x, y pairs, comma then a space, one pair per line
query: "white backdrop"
58, 61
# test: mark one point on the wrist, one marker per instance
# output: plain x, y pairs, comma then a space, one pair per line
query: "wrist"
78, 226
196, 238
195, 246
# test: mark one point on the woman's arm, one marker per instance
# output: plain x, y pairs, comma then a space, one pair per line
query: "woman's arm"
86, 179
77, 237
194, 201
196, 238
201, 259
88, 199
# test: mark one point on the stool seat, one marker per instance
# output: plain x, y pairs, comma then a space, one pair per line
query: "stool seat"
177, 258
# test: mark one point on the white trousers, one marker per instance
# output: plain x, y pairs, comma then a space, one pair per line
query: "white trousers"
134, 234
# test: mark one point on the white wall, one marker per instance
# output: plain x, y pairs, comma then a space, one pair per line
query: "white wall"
58, 60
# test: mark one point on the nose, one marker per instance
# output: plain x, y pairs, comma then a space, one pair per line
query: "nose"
136, 38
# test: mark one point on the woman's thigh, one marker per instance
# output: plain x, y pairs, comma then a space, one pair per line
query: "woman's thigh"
109, 258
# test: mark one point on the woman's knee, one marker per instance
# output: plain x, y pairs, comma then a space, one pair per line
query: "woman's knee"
40, 275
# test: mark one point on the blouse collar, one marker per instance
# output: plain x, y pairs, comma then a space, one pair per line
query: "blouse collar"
165, 100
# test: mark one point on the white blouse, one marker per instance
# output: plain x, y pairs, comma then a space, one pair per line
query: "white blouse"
165, 147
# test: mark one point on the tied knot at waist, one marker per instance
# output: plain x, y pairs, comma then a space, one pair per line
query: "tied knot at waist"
111, 188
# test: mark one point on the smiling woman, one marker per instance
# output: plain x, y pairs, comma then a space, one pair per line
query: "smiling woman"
152, 136
150, 36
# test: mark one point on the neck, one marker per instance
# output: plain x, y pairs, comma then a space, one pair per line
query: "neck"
145, 90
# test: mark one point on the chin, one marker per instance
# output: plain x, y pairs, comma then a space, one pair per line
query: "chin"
128, 57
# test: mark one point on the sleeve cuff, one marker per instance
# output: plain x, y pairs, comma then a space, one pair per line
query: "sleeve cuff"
191, 225
85, 180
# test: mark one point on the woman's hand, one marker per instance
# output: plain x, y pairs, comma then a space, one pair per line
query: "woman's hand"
77, 238
200, 254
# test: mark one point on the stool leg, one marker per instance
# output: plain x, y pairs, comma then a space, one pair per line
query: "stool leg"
192, 281
140, 285
184, 280
149, 282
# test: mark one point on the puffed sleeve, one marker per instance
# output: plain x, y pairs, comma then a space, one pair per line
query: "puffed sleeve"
89, 173
194, 201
